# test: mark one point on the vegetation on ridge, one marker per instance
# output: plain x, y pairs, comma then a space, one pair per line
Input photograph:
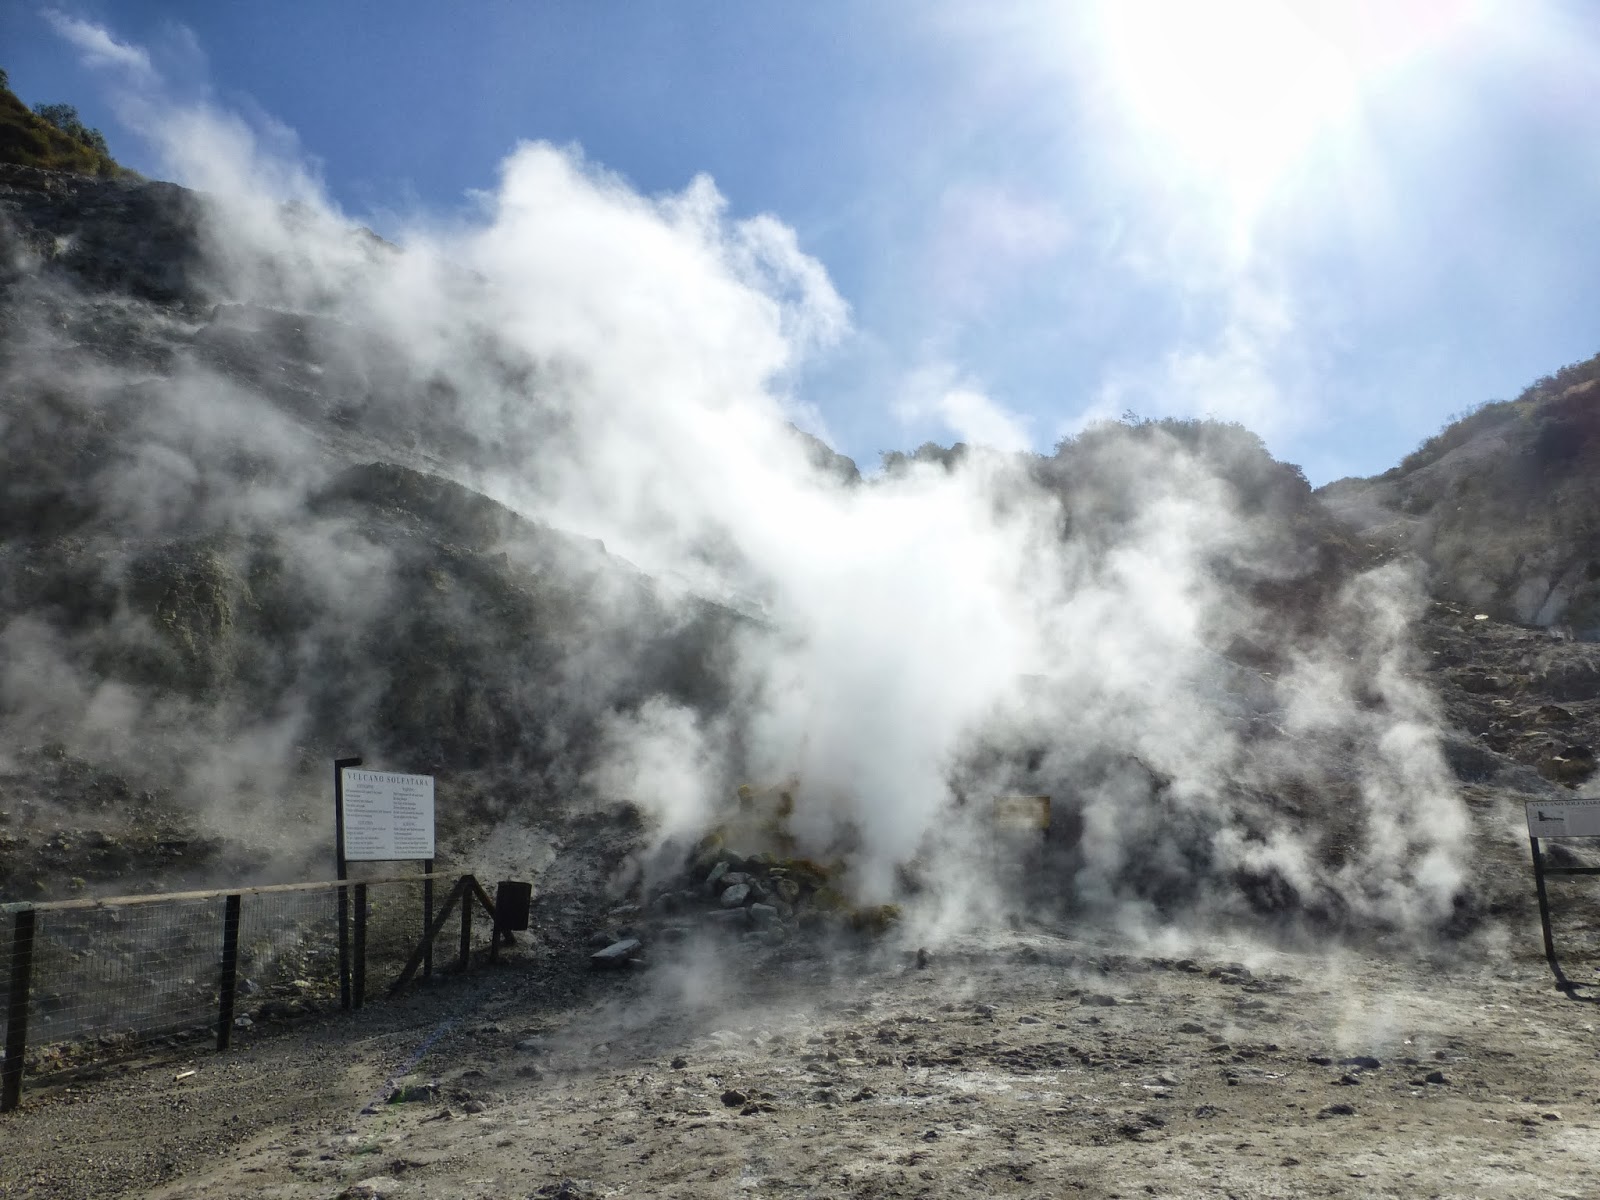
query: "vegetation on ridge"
52, 137
1529, 406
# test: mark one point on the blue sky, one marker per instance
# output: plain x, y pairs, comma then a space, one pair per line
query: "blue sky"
1338, 222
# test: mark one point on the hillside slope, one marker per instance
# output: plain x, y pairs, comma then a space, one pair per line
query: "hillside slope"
1503, 505
273, 490
28, 140
221, 565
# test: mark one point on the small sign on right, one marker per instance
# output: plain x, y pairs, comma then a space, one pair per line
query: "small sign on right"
1564, 818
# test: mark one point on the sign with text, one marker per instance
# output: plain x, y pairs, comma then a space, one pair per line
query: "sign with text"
387, 816
1022, 812
1564, 818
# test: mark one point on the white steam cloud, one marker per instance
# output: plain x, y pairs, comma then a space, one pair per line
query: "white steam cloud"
962, 407
97, 47
1108, 626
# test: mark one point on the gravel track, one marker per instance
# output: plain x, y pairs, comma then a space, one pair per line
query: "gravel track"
1015, 1064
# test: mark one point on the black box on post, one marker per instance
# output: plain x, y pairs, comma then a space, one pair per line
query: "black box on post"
511, 903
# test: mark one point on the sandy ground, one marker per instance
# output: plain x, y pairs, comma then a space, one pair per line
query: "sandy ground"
1014, 1064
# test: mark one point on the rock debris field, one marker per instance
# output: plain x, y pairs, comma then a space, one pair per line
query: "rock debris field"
1016, 1063
758, 1039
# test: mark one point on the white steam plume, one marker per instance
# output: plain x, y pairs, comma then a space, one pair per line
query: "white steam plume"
614, 365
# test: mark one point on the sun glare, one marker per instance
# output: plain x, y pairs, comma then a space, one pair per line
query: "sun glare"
1237, 91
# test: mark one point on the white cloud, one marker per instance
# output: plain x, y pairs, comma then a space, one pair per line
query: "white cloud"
994, 219
977, 418
97, 47
1248, 371
767, 254
940, 393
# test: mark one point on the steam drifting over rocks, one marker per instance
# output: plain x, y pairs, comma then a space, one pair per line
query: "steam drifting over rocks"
521, 499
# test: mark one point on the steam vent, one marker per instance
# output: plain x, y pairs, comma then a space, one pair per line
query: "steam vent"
471, 727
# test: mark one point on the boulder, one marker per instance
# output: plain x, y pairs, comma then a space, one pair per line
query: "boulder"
714, 880
616, 954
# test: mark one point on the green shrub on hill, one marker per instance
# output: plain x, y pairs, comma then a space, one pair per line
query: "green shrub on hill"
1532, 405
53, 137
1460, 429
65, 118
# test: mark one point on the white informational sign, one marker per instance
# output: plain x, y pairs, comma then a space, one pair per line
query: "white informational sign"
1564, 818
387, 817
1022, 812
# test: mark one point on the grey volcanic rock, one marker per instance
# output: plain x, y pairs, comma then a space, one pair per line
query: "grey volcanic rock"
1501, 505
125, 236
245, 527
239, 526
616, 954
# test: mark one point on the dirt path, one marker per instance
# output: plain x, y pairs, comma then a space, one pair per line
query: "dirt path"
1016, 1065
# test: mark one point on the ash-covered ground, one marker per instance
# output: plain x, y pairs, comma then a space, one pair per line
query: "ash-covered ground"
1043, 1056
1016, 1063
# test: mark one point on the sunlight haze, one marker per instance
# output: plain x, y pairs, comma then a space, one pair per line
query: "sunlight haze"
1338, 223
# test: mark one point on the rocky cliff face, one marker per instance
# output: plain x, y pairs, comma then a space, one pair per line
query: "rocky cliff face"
125, 237
223, 562
1504, 505
249, 522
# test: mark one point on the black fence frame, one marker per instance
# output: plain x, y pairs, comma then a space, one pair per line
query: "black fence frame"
1540, 870
19, 926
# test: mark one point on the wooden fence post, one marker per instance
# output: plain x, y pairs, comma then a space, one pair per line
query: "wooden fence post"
230, 971
359, 988
466, 920
22, 926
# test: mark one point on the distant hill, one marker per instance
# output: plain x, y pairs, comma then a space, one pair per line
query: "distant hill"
246, 529
1502, 504
29, 140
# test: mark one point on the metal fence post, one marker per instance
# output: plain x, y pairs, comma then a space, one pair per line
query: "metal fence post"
230, 971
344, 948
466, 922
22, 926
359, 955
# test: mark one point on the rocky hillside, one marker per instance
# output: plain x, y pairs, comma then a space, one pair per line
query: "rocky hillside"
250, 521
213, 576
1503, 505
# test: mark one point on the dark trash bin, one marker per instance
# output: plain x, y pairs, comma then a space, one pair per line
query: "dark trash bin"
511, 903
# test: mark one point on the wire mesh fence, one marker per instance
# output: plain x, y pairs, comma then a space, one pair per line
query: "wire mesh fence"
288, 962
108, 978
81, 981
393, 927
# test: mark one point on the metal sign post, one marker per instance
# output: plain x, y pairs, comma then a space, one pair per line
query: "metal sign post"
1558, 818
381, 816
1018, 827
1022, 814
388, 817
339, 767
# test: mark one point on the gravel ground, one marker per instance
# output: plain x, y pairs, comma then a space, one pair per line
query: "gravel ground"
1013, 1064
1040, 1063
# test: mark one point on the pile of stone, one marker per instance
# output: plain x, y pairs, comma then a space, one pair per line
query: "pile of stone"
760, 897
